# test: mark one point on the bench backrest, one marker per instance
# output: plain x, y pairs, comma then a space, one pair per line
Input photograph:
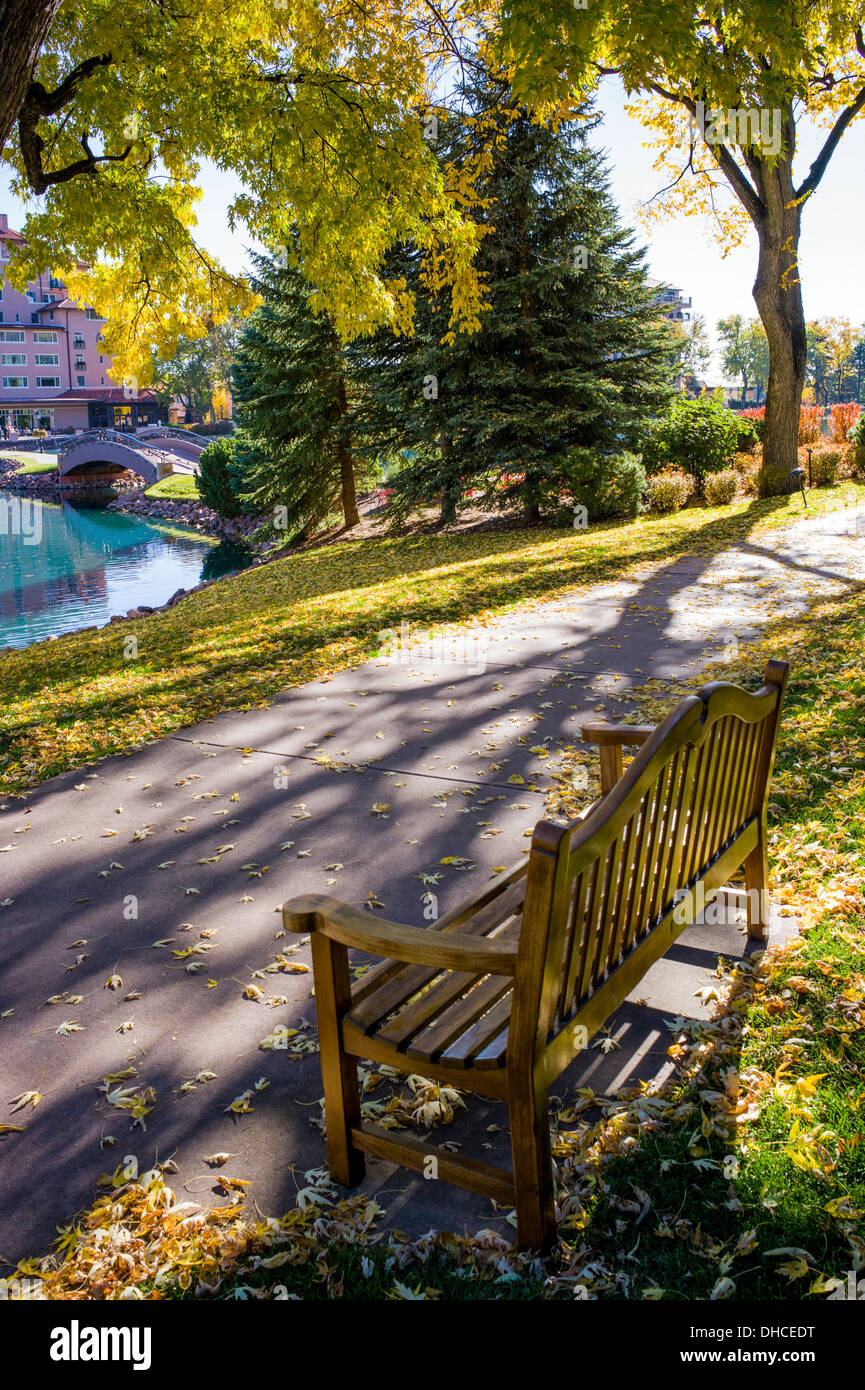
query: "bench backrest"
687, 809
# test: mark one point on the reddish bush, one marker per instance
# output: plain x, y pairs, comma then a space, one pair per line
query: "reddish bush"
841, 417
757, 416
810, 420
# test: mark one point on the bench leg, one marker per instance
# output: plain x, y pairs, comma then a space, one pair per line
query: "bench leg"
533, 1167
338, 1069
757, 890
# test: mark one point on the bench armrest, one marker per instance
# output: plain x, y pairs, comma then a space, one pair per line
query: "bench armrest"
351, 926
621, 735
611, 739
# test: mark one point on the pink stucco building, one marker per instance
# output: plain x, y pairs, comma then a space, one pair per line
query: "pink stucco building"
53, 374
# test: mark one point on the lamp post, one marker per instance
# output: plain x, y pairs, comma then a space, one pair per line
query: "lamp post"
810, 484
797, 479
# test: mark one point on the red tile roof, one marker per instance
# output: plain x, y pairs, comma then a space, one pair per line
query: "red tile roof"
111, 395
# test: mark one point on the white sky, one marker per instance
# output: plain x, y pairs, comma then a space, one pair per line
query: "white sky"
681, 251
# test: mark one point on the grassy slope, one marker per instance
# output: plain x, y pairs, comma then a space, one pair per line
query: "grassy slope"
38, 463
236, 644
177, 487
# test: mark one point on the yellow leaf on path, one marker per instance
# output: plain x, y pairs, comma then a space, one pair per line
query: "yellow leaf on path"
26, 1098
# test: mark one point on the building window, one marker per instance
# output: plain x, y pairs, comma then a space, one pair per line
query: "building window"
79, 341
14, 359
15, 383
54, 283
80, 380
12, 335
26, 420
46, 359
91, 314
45, 336
80, 364
47, 381
31, 295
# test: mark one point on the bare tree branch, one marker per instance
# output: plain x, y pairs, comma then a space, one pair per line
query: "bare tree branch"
818, 168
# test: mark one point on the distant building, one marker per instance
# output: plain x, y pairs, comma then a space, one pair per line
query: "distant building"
53, 373
734, 393
675, 308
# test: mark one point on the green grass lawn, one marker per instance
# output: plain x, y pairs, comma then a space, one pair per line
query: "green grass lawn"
177, 487
33, 463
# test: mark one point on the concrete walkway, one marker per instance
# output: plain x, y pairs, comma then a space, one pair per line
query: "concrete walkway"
356, 786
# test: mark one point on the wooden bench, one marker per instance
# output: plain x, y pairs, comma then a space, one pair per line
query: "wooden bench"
497, 995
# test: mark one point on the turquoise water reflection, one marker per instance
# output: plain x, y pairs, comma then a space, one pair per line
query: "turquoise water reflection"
69, 565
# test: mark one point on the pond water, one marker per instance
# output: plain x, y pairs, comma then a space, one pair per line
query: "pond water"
68, 565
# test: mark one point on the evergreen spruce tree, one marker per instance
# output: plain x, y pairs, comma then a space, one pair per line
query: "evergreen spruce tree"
292, 403
572, 351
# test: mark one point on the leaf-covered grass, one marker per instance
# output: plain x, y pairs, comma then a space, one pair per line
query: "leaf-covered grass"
236, 644
177, 487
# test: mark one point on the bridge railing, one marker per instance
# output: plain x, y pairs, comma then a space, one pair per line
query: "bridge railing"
172, 432
89, 436
106, 436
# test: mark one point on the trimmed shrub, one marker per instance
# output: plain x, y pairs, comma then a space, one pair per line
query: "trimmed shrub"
747, 438
218, 480
841, 420
722, 487
810, 421
772, 481
605, 484
824, 468
669, 491
699, 437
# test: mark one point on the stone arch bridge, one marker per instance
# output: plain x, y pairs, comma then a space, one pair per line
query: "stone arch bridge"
102, 455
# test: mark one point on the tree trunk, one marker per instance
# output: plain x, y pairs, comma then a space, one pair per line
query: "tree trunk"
531, 505
344, 457
778, 296
449, 495
346, 479
24, 26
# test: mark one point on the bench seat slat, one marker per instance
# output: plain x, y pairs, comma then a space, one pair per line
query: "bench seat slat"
389, 986
456, 1020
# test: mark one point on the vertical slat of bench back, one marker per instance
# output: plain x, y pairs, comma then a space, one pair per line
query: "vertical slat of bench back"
597, 887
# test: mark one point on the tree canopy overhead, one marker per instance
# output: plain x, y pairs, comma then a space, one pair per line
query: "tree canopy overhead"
319, 107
